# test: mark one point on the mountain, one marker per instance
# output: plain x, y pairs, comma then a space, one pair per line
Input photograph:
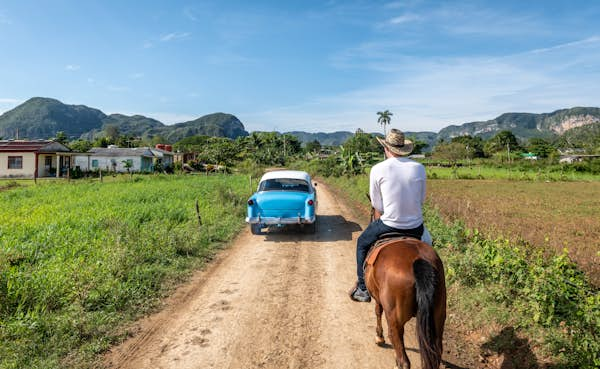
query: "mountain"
526, 125
217, 124
430, 138
43, 117
587, 137
325, 139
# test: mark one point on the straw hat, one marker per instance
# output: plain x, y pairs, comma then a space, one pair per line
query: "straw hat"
396, 143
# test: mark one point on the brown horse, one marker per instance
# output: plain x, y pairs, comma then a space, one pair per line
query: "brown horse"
407, 279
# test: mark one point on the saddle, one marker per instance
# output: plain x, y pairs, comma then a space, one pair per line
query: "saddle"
382, 241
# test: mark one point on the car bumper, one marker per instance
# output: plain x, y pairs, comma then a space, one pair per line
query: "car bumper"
275, 220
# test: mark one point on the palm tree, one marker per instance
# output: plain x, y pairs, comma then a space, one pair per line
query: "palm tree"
384, 119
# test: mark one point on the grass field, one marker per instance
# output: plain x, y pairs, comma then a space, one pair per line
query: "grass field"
79, 259
516, 174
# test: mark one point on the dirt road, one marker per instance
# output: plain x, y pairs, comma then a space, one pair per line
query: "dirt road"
277, 300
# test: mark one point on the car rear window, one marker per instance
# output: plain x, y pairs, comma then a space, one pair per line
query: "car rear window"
284, 184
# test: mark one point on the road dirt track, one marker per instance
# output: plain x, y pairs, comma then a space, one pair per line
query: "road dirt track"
277, 300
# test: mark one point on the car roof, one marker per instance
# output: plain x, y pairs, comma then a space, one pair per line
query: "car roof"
292, 174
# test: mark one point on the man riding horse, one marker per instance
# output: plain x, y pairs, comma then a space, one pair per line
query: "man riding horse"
397, 190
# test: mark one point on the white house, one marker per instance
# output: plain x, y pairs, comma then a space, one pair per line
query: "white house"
34, 159
115, 159
166, 158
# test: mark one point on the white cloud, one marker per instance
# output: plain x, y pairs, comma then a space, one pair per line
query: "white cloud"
404, 18
174, 36
584, 42
72, 67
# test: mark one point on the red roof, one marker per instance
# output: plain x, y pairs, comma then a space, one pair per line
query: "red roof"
29, 146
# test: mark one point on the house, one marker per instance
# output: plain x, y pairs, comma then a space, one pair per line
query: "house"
34, 159
116, 159
570, 159
529, 156
163, 156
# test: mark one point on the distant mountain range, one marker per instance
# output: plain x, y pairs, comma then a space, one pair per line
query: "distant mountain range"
43, 117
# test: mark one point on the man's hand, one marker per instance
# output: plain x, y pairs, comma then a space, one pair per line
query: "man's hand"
376, 214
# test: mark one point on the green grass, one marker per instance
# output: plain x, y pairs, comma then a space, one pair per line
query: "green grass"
78, 259
511, 285
516, 174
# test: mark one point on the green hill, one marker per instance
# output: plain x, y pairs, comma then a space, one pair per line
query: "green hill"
217, 124
42, 118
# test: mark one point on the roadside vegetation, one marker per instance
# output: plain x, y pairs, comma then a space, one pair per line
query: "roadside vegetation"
79, 259
508, 297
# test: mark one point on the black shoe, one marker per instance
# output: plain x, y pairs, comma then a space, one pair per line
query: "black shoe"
360, 295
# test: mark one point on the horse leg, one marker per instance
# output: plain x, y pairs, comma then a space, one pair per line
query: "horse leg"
396, 332
379, 330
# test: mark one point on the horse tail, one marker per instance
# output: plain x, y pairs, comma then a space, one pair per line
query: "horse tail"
426, 278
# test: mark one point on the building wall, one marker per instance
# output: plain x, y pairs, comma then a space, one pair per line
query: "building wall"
139, 164
28, 170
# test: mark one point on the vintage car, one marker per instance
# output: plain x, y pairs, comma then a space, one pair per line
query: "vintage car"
283, 197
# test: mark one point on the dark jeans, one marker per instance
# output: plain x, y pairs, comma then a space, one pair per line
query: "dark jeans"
368, 238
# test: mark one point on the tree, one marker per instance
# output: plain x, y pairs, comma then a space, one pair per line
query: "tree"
540, 147
418, 145
362, 143
112, 132
61, 137
384, 119
80, 145
502, 141
474, 145
453, 152
313, 146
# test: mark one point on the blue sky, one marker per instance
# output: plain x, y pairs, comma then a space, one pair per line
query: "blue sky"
304, 65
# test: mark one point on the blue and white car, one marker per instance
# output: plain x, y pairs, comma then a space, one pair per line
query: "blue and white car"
283, 197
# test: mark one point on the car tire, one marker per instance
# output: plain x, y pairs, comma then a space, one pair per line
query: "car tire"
256, 228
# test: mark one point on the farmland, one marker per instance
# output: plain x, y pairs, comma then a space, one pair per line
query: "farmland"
554, 215
79, 259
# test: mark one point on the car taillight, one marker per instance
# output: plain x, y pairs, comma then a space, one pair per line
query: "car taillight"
250, 202
310, 202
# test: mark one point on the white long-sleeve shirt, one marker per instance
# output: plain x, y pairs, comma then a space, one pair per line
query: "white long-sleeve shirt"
397, 188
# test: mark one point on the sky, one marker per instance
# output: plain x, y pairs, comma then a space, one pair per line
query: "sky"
315, 66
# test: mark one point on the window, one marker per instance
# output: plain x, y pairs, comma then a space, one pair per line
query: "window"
284, 184
48, 161
15, 162
95, 163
